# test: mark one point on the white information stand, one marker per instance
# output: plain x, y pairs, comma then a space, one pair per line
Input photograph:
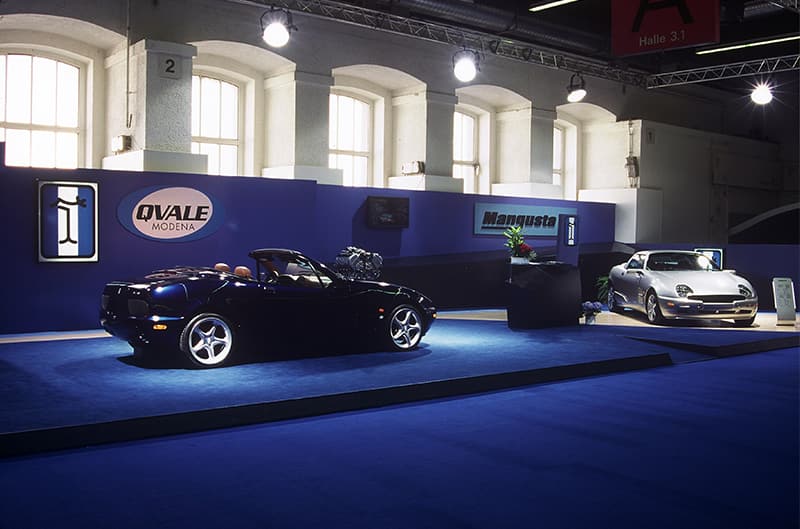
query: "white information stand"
783, 292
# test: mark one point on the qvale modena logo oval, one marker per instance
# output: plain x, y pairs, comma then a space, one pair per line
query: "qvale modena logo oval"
170, 214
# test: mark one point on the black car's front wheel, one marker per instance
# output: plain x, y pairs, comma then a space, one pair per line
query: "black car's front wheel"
207, 340
405, 328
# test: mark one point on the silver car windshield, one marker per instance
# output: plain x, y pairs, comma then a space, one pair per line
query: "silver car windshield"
666, 262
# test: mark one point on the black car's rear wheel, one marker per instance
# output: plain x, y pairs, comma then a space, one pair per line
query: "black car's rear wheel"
405, 328
207, 340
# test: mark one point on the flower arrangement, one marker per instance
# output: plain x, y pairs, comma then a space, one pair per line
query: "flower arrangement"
515, 242
591, 309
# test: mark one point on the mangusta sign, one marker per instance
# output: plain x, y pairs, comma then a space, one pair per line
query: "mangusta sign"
170, 214
539, 221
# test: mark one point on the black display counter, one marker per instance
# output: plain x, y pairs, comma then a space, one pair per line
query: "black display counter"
543, 295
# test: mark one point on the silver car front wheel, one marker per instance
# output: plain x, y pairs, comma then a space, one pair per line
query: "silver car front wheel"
611, 300
653, 310
405, 328
208, 340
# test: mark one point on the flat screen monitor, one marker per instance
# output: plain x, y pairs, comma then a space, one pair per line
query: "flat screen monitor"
715, 254
387, 212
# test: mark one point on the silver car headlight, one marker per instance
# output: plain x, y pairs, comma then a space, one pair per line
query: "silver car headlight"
683, 291
746, 292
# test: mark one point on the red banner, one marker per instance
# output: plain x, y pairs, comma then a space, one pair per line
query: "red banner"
643, 26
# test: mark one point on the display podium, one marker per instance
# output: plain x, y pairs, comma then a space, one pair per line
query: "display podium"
543, 295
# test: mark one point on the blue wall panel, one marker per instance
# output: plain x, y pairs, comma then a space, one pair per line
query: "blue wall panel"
316, 219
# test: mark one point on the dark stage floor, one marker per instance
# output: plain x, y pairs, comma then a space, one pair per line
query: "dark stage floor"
73, 392
698, 445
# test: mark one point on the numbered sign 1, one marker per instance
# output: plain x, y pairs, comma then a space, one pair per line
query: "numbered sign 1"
169, 66
783, 291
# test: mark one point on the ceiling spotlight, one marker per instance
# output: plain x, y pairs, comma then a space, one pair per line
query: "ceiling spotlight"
576, 90
275, 27
465, 65
761, 94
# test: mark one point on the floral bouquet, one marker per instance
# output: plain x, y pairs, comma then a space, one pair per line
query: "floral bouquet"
515, 242
591, 309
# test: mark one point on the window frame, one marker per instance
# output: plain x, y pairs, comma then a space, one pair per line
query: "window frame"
474, 164
369, 134
80, 129
239, 142
558, 174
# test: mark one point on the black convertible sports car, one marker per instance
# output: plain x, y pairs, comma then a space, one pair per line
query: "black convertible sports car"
209, 312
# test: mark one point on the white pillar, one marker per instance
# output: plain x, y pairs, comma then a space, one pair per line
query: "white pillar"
423, 131
297, 147
542, 145
159, 75
539, 180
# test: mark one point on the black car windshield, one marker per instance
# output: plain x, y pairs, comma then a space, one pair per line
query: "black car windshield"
666, 262
287, 270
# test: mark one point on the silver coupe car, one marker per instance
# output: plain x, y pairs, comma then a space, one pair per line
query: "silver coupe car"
673, 284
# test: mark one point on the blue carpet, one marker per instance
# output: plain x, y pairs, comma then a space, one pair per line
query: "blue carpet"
697, 445
54, 384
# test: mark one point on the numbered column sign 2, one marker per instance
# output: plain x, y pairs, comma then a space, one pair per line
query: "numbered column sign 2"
169, 66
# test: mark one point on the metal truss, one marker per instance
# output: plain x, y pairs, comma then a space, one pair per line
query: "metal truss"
489, 44
485, 44
727, 71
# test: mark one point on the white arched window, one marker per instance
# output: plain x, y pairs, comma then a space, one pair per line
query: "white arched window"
349, 138
559, 139
216, 124
40, 109
465, 150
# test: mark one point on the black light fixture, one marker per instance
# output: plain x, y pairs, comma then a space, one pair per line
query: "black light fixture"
465, 65
576, 90
275, 27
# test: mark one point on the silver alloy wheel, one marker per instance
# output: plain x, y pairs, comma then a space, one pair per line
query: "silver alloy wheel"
405, 328
653, 312
209, 340
611, 302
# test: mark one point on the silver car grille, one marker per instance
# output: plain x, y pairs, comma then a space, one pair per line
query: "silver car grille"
721, 298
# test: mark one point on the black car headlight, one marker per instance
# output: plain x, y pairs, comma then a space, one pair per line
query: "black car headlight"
746, 292
683, 291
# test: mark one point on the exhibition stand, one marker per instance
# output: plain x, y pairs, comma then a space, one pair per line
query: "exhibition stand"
544, 294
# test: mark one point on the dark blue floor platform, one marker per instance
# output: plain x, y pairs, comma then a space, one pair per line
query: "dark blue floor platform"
71, 393
711, 445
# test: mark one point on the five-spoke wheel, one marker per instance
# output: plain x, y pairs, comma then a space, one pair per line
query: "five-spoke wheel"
207, 340
611, 300
653, 310
405, 328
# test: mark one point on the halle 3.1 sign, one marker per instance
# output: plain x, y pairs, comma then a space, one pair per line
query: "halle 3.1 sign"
642, 26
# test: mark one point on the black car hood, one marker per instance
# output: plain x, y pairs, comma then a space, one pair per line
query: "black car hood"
361, 286
386, 288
